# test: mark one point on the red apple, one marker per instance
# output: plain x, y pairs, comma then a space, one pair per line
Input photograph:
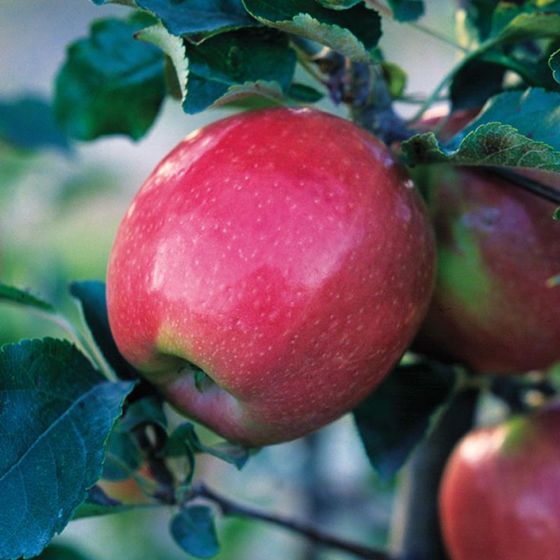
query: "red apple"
285, 254
500, 494
494, 307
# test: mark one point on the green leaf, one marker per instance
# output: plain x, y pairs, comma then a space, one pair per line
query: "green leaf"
354, 32
122, 457
174, 48
398, 414
515, 129
199, 19
515, 25
506, 17
28, 123
395, 78
476, 26
93, 302
236, 65
185, 436
194, 531
407, 10
554, 63
56, 414
60, 552
98, 503
229, 67
9, 294
304, 93
110, 83
528, 27
475, 82
144, 411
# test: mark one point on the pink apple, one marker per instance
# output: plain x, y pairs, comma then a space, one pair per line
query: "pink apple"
286, 255
494, 308
500, 495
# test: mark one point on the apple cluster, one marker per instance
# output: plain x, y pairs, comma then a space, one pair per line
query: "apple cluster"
494, 310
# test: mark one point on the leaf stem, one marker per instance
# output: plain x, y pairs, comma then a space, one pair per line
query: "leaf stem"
86, 345
229, 507
471, 55
304, 59
385, 11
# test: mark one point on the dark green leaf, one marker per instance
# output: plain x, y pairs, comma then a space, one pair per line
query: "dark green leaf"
511, 28
515, 129
56, 413
534, 72
397, 415
28, 123
60, 552
199, 19
407, 10
475, 83
354, 32
122, 457
304, 93
9, 294
185, 436
533, 112
92, 298
238, 64
144, 411
475, 27
228, 67
194, 531
554, 63
110, 83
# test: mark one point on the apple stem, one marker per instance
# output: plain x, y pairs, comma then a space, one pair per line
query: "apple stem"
416, 528
163, 476
230, 508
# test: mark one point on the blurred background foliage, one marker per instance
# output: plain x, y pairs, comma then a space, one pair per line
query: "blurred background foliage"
59, 209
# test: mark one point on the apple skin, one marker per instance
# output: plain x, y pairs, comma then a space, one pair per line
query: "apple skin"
500, 493
285, 254
493, 307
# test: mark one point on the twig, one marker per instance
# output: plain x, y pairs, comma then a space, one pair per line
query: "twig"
530, 185
416, 534
229, 507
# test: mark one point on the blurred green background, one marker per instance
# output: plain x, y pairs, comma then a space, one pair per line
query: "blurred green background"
58, 216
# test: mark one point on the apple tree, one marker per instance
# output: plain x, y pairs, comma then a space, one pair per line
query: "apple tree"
323, 250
